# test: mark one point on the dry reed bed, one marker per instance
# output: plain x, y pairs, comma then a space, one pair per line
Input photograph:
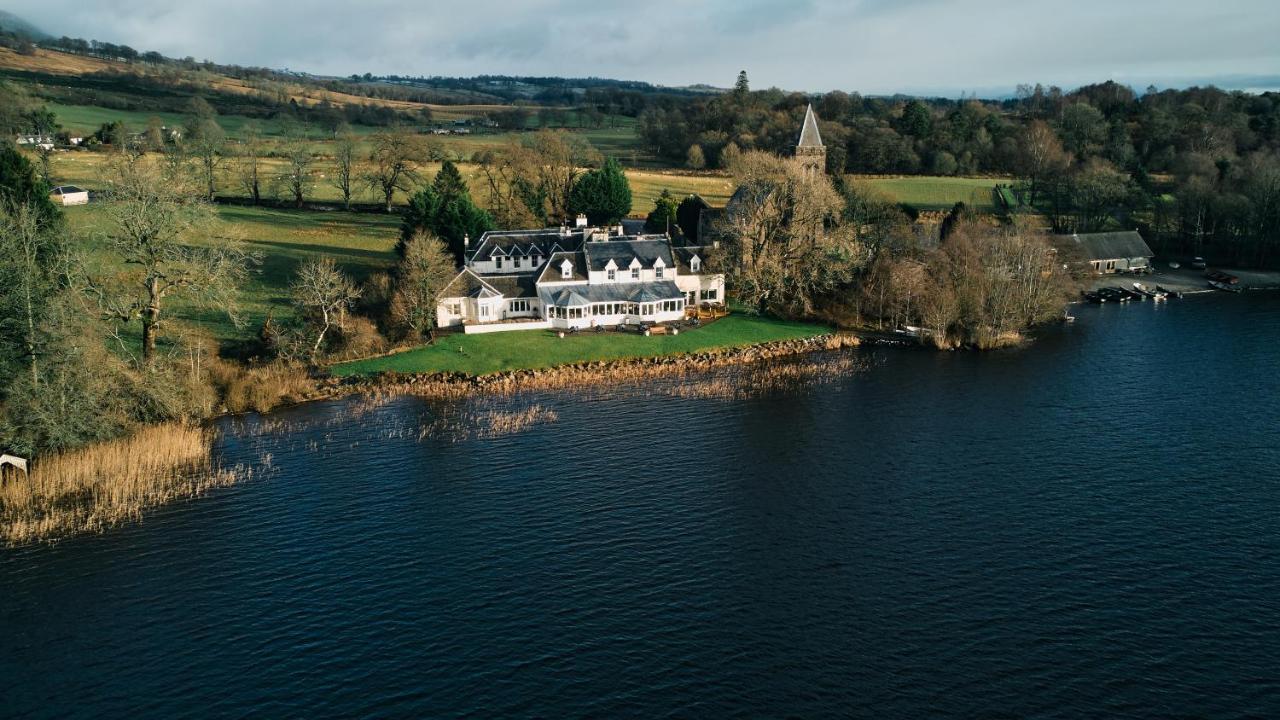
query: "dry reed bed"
104, 485
760, 379
486, 424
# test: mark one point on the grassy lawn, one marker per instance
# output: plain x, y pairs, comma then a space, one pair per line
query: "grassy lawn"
935, 193
360, 243
494, 352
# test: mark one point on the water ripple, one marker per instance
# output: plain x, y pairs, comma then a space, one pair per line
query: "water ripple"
1082, 529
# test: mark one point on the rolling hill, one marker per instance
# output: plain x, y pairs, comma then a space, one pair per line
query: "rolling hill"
15, 24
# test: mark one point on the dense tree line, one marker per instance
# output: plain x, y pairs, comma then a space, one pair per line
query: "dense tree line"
1195, 168
803, 247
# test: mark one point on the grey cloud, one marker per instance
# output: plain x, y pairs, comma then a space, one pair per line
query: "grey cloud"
871, 46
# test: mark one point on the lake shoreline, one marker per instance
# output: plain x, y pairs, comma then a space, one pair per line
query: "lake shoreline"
581, 374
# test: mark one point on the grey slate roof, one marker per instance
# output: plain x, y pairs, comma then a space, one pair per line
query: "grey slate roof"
632, 226
621, 252
685, 254
809, 136
551, 271
468, 284
524, 242
575, 295
1109, 245
514, 285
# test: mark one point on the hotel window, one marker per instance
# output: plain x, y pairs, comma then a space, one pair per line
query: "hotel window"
517, 262
613, 275
695, 263
566, 270
497, 262
709, 294
635, 273
657, 272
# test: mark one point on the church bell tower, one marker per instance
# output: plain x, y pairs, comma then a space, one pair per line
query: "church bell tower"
811, 154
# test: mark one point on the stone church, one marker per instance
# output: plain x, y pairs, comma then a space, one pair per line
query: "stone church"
811, 154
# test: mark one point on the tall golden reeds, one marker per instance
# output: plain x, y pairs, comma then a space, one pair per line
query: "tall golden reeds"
102, 485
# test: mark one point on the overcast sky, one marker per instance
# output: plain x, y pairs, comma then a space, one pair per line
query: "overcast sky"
870, 46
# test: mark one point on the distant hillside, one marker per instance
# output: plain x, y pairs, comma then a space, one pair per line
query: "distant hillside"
13, 23
73, 79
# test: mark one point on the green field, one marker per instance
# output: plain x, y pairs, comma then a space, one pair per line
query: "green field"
616, 137
935, 193
495, 352
359, 243
88, 170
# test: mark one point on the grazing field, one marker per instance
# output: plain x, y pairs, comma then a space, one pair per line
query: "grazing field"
495, 352
615, 137
359, 243
89, 170
935, 193
85, 119
646, 185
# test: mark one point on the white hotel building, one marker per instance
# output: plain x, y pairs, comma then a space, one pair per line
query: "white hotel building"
577, 277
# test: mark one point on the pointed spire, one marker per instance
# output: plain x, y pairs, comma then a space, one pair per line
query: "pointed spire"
809, 136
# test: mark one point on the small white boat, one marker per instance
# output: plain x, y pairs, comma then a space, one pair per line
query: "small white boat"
1174, 265
1156, 294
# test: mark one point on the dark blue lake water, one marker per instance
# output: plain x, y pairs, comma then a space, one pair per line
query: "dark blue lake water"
1089, 527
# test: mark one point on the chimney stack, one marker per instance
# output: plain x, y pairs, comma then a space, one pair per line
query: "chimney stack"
581, 221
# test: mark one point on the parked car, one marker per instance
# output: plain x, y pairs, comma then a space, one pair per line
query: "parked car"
1198, 263
69, 195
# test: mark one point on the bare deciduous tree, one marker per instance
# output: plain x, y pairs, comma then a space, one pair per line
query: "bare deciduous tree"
322, 294
786, 244
344, 158
393, 164
164, 233
1040, 156
424, 272
29, 252
299, 158
554, 160
249, 169
206, 142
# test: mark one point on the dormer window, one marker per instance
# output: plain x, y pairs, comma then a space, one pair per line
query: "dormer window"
613, 274
566, 270
635, 273
497, 262
695, 264
517, 261
657, 272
